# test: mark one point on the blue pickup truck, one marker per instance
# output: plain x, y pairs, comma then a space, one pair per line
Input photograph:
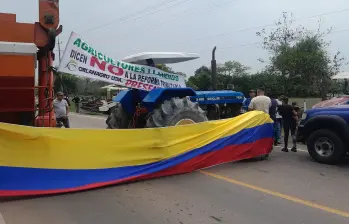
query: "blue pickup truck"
325, 131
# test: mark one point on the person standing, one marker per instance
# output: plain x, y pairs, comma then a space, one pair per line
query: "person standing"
77, 101
289, 117
278, 122
247, 101
297, 109
272, 113
61, 109
260, 102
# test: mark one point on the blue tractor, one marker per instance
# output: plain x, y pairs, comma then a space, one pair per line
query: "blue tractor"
162, 107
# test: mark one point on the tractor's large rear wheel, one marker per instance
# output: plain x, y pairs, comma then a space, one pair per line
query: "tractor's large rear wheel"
176, 112
117, 118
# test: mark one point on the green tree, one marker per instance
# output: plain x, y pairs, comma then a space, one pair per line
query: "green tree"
65, 82
278, 42
309, 67
165, 68
191, 85
230, 74
284, 35
300, 58
232, 68
202, 78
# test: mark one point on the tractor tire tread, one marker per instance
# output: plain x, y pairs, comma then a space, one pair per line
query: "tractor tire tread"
117, 118
173, 110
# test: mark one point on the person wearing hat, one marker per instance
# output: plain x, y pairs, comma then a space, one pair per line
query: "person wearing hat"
61, 109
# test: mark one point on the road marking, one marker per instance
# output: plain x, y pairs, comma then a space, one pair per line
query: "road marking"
277, 194
2, 220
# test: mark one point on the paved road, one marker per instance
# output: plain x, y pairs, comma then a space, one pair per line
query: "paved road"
87, 121
288, 188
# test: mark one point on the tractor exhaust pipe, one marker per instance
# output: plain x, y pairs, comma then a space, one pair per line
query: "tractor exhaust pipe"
214, 69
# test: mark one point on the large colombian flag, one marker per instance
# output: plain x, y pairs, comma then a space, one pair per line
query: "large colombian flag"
36, 161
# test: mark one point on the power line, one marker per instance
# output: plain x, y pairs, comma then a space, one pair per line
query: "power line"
260, 43
87, 22
123, 18
171, 6
339, 31
209, 9
234, 46
257, 27
149, 8
227, 33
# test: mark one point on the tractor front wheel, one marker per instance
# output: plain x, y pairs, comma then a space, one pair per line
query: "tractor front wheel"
117, 118
176, 112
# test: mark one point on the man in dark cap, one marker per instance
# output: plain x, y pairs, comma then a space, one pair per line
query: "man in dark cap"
289, 116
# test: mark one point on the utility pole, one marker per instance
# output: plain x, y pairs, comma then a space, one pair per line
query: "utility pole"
59, 49
214, 69
59, 59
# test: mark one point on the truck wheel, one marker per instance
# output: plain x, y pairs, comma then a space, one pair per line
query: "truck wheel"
117, 118
176, 112
325, 146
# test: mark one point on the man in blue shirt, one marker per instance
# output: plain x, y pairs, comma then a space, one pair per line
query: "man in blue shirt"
247, 101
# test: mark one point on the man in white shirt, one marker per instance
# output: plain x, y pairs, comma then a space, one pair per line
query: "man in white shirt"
260, 102
61, 109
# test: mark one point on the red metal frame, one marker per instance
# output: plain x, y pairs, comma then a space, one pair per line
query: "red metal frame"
139, 111
19, 84
47, 8
45, 82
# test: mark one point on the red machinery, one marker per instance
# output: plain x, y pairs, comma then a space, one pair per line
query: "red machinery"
22, 45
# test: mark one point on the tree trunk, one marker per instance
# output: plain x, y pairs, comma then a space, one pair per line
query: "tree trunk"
285, 81
345, 90
324, 88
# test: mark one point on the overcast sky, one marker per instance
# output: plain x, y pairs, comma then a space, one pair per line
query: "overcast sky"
120, 28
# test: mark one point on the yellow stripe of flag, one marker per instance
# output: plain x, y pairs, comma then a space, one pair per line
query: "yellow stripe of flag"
94, 149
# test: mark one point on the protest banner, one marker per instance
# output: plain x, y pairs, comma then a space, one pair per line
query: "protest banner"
82, 59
